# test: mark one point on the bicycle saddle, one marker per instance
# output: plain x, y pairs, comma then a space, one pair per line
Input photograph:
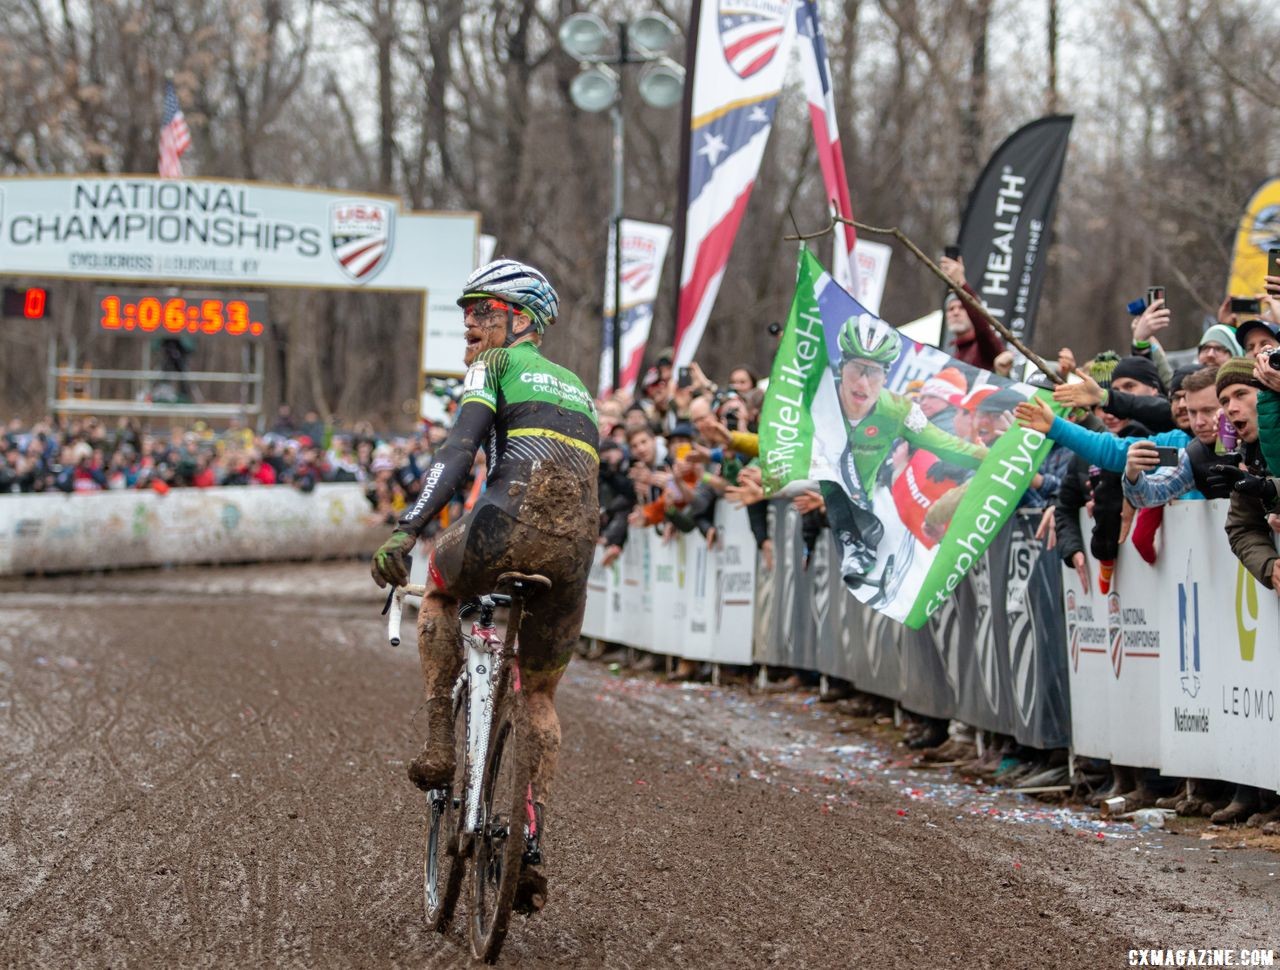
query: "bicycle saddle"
521, 582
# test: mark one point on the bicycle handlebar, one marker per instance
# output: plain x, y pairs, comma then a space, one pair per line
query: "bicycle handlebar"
395, 608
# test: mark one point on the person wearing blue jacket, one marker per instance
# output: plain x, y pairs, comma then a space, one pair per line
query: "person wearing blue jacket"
1106, 450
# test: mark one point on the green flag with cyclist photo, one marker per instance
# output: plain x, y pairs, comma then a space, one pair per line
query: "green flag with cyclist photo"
917, 454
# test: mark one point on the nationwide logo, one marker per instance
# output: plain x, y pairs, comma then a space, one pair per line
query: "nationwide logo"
750, 32
360, 235
1189, 635
1115, 629
1246, 612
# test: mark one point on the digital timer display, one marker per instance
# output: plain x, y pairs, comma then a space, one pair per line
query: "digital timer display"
30, 303
151, 312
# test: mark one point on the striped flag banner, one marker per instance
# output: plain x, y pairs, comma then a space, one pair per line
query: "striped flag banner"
826, 132
175, 137
644, 250
739, 58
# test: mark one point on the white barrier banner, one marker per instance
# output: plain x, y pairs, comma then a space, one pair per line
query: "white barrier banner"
1114, 642
679, 598
101, 530
1221, 669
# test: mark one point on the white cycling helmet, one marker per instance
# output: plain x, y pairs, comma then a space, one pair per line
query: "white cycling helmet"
516, 283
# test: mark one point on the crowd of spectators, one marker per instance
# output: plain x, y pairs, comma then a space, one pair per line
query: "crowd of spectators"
88, 454
1132, 433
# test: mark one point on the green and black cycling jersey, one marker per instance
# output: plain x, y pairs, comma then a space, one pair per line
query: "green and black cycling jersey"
524, 410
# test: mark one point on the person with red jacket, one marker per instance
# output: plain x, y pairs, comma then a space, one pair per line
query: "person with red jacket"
976, 341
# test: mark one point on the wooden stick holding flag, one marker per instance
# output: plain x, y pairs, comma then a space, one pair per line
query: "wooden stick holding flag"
971, 302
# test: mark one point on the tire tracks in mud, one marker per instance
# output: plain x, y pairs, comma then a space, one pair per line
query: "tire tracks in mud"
280, 830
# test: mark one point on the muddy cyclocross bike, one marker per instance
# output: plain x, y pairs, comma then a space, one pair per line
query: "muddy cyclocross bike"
487, 813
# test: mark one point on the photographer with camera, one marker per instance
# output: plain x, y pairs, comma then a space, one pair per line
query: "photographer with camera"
1155, 473
1153, 317
1256, 336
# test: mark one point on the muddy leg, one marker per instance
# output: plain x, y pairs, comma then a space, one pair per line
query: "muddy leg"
544, 729
440, 653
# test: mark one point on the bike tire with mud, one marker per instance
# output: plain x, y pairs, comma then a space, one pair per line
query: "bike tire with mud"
445, 851
499, 846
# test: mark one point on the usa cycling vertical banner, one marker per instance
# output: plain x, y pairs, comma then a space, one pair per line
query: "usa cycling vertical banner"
1004, 235
739, 51
644, 250
1259, 231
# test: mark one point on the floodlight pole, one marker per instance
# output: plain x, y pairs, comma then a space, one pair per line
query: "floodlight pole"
619, 135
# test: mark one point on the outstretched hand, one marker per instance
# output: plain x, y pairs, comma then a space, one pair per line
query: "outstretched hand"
1035, 415
1085, 394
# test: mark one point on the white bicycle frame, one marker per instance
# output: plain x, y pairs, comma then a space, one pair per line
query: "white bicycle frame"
484, 659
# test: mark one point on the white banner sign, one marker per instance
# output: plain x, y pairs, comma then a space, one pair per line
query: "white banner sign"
1221, 669
644, 249
1177, 667
1114, 644
871, 260
679, 598
241, 233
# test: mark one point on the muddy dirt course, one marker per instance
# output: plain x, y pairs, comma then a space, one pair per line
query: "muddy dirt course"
207, 767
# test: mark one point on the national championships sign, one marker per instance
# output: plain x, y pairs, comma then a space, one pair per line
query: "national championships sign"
243, 234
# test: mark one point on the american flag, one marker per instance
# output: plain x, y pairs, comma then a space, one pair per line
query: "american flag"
175, 138
822, 113
739, 65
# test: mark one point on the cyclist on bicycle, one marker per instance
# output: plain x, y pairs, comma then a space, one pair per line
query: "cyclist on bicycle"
539, 513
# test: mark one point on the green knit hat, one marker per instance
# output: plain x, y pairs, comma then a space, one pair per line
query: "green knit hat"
1237, 370
1103, 366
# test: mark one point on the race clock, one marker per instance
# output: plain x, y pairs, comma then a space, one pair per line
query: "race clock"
160, 312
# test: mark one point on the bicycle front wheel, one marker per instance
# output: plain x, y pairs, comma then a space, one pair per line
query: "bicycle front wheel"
500, 844
445, 859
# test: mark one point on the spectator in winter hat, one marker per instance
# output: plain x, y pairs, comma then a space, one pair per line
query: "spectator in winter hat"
939, 396
1126, 389
1255, 336
1218, 345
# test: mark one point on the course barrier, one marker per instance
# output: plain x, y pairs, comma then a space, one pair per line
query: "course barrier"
679, 597
1176, 668
100, 530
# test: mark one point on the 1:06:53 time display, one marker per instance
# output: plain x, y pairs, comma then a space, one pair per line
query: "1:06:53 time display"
176, 315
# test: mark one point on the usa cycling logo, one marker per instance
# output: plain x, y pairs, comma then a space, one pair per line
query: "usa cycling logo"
638, 260
1115, 631
750, 32
1073, 629
360, 236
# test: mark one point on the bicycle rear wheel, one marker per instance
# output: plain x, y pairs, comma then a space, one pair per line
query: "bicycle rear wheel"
445, 859
499, 846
